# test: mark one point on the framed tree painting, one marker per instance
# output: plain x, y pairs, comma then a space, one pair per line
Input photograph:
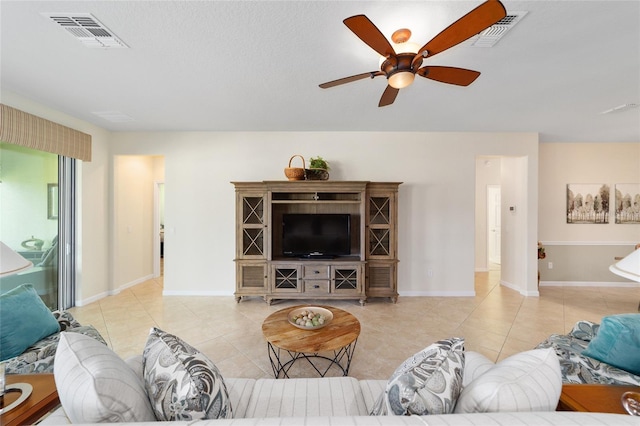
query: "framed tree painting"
627, 202
587, 203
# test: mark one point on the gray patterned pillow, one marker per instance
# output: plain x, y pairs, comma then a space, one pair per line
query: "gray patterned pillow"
181, 382
427, 383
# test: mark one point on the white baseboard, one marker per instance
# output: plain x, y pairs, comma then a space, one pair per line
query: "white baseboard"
588, 243
527, 293
196, 293
437, 293
104, 294
95, 298
510, 285
400, 293
135, 282
587, 284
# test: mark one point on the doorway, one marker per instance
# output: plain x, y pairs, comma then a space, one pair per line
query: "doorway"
504, 229
489, 193
494, 233
158, 226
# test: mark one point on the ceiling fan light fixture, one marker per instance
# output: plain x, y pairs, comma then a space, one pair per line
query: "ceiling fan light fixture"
401, 79
401, 61
407, 47
401, 48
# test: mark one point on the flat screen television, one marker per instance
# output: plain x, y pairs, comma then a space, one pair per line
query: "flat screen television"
316, 235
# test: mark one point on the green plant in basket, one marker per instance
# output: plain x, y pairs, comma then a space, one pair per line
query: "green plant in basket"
318, 163
318, 169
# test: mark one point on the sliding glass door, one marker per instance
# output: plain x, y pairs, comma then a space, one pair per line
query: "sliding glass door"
36, 220
66, 232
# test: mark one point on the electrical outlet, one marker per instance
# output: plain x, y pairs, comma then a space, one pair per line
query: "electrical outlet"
550, 265
429, 272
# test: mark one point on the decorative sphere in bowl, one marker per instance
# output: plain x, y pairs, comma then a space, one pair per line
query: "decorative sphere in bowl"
310, 317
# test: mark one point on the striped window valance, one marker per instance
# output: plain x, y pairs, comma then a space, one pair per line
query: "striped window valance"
24, 129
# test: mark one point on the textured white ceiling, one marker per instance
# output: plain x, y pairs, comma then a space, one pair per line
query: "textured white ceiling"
256, 66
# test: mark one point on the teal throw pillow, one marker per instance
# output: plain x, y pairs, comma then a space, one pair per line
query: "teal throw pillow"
617, 342
24, 320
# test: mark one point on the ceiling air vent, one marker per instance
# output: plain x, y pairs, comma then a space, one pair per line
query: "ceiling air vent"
113, 116
620, 108
86, 28
490, 36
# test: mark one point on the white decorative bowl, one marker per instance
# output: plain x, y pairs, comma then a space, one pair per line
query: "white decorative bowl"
328, 316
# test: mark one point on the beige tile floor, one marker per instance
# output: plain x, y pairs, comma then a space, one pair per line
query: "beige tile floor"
497, 322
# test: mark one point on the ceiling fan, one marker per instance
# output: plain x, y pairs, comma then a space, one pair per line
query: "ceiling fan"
400, 64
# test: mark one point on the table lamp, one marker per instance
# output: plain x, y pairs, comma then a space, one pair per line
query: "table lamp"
12, 263
629, 266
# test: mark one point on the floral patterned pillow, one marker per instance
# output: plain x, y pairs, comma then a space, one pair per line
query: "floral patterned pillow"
181, 382
585, 330
427, 383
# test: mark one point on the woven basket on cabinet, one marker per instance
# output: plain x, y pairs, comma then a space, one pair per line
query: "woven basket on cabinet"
295, 173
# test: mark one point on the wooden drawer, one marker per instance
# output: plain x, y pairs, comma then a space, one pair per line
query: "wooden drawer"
316, 286
315, 272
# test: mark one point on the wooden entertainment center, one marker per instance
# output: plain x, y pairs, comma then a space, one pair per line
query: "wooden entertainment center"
369, 270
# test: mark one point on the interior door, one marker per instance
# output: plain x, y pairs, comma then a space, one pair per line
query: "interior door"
494, 222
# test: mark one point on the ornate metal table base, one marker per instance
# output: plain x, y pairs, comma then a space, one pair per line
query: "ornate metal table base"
282, 369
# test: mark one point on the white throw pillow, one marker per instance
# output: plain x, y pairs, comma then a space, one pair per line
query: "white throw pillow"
527, 381
427, 383
182, 383
475, 365
95, 385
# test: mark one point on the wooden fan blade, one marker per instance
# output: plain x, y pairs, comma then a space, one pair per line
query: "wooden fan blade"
388, 96
370, 34
451, 75
479, 19
350, 79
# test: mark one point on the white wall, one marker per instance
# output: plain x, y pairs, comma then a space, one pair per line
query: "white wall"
436, 210
134, 177
581, 253
518, 235
605, 163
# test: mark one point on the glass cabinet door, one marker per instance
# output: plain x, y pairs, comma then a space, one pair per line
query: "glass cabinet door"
253, 226
379, 243
346, 279
285, 279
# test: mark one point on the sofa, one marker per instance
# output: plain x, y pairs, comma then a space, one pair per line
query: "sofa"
440, 385
38, 358
29, 331
606, 353
555, 418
